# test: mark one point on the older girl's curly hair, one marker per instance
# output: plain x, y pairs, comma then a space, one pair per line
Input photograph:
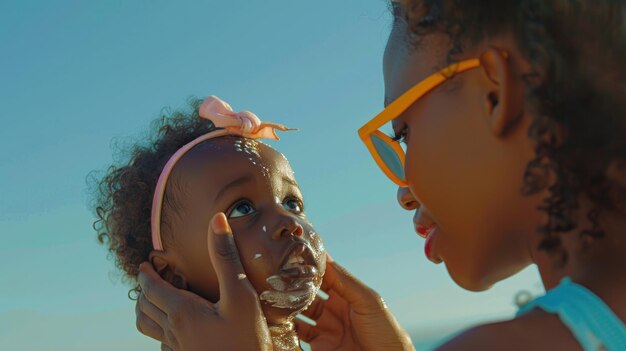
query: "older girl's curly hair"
123, 196
577, 49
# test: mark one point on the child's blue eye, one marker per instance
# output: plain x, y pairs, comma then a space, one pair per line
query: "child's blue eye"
243, 208
293, 205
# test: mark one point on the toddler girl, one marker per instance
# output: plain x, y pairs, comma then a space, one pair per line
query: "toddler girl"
157, 208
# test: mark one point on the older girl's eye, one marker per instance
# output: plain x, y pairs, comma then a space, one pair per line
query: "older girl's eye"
401, 136
243, 208
293, 205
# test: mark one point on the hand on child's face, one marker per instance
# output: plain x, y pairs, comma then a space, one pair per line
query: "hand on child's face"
255, 187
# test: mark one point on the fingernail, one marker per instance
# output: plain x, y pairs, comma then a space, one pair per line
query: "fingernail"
219, 225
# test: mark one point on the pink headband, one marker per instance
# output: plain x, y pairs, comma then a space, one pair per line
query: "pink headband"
245, 124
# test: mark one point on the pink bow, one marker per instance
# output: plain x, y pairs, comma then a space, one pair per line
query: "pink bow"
245, 123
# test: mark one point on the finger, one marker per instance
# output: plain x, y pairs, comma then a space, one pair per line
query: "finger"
315, 310
157, 291
147, 326
144, 306
235, 288
330, 277
305, 331
335, 305
354, 291
166, 348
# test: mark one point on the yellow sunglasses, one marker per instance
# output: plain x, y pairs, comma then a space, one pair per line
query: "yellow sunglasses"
387, 152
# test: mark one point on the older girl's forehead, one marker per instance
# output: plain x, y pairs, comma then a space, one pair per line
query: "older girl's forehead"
407, 63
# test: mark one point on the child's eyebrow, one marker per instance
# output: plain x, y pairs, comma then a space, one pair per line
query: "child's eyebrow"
235, 183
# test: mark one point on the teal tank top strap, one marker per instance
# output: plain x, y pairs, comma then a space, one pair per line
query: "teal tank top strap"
592, 322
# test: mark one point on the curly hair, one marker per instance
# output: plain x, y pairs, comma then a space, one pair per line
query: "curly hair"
123, 196
577, 49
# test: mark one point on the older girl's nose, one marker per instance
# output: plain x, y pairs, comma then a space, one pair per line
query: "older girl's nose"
406, 199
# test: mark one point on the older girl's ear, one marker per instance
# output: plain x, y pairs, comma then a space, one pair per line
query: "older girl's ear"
503, 93
617, 172
162, 264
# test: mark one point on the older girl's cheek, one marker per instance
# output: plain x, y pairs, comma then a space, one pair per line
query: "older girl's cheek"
410, 167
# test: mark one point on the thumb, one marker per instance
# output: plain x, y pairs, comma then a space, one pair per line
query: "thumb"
234, 286
360, 296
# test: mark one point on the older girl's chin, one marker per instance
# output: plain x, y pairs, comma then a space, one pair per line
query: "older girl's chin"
468, 279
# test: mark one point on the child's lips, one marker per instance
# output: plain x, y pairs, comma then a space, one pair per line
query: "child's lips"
299, 263
297, 280
300, 272
297, 255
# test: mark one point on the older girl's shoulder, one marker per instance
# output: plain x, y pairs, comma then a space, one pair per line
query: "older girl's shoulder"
536, 330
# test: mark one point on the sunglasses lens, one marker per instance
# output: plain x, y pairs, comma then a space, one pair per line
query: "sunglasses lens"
389, 156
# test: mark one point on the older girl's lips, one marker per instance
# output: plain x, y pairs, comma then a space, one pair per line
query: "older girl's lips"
423, 222
429, 246
428, 232
423, 230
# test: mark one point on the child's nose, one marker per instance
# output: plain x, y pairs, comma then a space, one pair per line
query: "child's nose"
288, 226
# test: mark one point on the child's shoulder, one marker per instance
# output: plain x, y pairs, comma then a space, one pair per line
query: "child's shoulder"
536, 330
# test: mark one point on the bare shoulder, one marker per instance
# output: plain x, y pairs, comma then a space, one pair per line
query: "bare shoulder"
536, 330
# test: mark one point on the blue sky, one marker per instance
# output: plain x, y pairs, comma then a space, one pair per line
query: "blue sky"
80, 79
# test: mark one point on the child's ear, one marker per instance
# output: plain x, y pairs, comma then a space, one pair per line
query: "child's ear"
162, 263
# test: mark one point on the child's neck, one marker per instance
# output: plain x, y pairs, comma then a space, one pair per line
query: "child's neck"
284, 337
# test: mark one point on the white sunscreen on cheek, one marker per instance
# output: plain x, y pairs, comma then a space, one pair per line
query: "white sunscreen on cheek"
277, 283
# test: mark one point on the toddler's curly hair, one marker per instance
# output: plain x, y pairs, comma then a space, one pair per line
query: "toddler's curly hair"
123, 196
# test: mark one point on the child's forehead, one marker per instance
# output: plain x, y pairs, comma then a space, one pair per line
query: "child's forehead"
225, 146
230, 153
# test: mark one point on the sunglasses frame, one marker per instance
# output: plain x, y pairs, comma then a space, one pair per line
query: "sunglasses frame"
401, 104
